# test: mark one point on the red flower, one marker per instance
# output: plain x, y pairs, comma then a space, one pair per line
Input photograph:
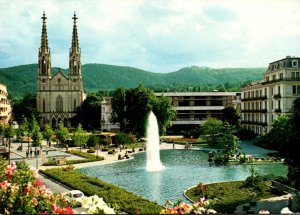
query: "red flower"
38, 183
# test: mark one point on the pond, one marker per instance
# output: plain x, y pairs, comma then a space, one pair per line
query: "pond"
184, 169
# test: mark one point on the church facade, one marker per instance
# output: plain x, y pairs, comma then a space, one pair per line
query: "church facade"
59, 95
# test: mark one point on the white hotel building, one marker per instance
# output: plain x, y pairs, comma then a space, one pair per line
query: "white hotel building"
263, 101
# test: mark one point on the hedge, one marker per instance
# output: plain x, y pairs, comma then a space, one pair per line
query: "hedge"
116, 197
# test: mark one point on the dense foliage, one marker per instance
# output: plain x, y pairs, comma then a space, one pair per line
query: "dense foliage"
24, 107
114, 196
131, 108
22, 79
89, 113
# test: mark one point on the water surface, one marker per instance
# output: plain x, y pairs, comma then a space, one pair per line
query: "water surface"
184, 168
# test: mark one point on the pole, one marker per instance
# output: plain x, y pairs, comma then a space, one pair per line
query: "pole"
37, 161
9, 150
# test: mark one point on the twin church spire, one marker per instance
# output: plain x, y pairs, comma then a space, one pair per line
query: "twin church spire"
44, 51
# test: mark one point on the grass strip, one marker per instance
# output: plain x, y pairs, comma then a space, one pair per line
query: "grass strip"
119, 198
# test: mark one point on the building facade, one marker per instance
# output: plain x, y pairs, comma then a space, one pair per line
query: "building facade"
106, 111
59, 95
263, 101
5, 107
192, 108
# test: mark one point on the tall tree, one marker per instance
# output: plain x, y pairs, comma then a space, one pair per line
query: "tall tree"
89, 113
210, 130
9, 133
231, 116
138, 104
277, 135
36, 134
61, 133
48, 132
164, 112
118, 106
289, 151
24, 108
23, 129
80, 137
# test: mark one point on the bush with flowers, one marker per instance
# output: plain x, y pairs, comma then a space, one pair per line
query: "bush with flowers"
96, 205
22, 193
181, 207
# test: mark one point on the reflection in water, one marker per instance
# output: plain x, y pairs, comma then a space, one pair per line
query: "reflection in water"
154, 183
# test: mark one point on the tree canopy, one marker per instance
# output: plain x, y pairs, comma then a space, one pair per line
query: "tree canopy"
89, 113
131, 108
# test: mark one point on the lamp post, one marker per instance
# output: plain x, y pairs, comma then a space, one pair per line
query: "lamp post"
97, 148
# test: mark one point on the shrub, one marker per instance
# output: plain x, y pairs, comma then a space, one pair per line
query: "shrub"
201, 189
90, 150
122, 138
111, 151
92, 141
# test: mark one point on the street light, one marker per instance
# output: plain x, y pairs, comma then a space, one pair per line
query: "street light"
97, 148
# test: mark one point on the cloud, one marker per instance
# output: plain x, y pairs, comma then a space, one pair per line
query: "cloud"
158, 35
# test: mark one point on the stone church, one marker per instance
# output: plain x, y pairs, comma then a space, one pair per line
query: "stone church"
59, 95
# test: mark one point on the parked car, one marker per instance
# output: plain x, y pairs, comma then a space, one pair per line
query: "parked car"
73, 195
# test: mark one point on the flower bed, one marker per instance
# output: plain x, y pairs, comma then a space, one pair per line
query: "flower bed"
22, 193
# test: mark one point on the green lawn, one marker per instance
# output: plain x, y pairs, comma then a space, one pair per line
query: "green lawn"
225, 197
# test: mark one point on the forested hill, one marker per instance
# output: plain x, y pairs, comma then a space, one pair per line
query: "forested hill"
22, 79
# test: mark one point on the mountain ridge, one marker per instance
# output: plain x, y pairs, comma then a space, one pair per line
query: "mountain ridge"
21, 79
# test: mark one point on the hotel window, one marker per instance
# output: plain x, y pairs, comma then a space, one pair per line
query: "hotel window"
294, 63
281, 76
296, 89
278, 89
267, 78
265, 91
273, 77
293, 74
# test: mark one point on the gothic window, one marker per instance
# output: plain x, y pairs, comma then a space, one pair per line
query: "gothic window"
74, 104
59, 104
44, 105
43, 66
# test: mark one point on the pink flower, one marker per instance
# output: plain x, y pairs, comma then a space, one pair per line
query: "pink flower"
4, 185
34, 201
27, 190
35, 172
38, 183
9, 170
68, 210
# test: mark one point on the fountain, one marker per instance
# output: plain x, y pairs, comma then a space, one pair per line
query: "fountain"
153, 156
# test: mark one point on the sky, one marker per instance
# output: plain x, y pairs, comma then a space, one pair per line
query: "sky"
154, 35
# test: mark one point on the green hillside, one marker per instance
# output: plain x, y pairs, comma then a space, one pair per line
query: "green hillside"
22, 79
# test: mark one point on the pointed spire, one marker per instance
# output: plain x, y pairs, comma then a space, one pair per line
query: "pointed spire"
44, 39
75, 45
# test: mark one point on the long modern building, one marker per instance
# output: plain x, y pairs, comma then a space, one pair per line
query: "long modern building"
263, 101
5, 107
192, 108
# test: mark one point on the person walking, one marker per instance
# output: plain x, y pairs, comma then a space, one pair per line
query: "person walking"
31, 152
27, 153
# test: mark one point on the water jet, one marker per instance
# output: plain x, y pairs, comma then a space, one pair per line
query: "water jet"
152, 145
